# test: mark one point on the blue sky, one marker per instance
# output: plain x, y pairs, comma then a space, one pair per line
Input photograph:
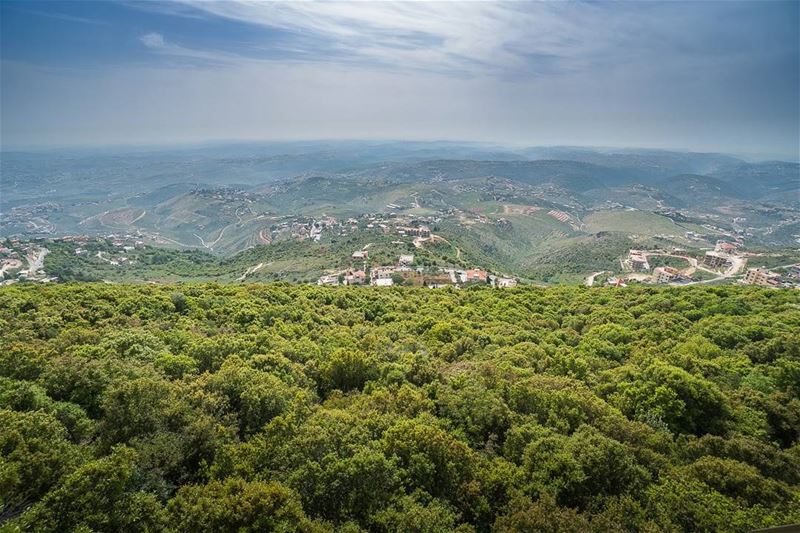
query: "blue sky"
718, 76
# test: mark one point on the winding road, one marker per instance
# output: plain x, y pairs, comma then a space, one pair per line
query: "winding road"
590, 278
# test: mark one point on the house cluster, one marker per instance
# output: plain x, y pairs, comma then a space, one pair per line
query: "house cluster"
127, 241
10, 265
637, 262
32, 218
20, 261
301, 228
405, 273
227, 194
789, 277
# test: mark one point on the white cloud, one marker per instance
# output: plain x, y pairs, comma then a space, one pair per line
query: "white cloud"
152, 40
157, 43
544, 73
501, 39
465, 37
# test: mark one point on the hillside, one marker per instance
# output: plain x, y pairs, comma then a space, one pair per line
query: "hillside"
503, 208
578, 175
290, 408
756, 180
694, 189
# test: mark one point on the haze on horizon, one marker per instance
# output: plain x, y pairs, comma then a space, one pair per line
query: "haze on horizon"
705, 76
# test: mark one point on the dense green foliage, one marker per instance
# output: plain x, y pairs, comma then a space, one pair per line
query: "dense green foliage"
296, 408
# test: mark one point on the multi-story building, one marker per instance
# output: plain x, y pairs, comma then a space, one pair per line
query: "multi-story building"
637, 261
763, 277
717, 260
421, 231
665, 274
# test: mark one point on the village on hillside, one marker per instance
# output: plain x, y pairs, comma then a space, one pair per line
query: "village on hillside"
406, 272
677, 267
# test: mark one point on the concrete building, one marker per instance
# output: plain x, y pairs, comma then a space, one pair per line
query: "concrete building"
359, 277
762, 277
382, 273
476, 275
421, 231
665, 274
360, 255
717, 260
406, 259
637, 261
506, 283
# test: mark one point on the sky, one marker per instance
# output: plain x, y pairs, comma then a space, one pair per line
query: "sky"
702, 76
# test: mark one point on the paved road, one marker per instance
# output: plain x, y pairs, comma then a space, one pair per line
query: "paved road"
590, 279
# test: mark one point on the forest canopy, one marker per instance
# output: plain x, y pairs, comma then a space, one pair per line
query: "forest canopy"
296, 408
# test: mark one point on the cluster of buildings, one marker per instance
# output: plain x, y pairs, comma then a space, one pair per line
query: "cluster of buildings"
405, 273
13, 260
31, 218
10, 265
124, 245
724, 258
767, 278
301, 228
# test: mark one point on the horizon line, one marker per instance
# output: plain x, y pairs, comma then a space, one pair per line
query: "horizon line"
215, 142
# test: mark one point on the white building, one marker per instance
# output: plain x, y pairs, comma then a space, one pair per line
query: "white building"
328, 280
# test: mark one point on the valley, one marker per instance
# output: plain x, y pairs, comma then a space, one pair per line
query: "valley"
537, 220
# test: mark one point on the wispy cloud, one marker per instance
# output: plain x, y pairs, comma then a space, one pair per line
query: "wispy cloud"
505, 39
153, 40
158, 44
709, 74
469, 37
64, 16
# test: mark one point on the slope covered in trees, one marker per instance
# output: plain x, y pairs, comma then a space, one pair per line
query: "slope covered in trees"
294, 408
